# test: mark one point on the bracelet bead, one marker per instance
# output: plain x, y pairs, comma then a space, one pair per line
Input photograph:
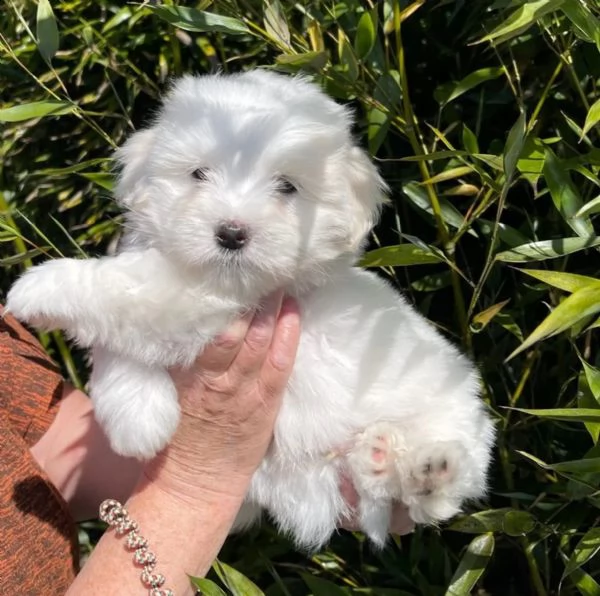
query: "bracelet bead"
117, 517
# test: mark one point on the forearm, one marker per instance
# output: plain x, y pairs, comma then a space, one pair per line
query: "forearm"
185, 536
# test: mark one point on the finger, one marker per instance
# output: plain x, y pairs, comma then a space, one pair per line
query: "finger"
222, 351
282, 353
259, 337
401, 521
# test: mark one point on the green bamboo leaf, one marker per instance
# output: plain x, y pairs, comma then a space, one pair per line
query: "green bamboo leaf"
565, 194
481, 320
472, 565
588, 400
586, 25
469, 140
401, 255
82, 165
569, 282
580, 304
275, 22
585, 583
435, 156
206, 587
418, 196
102, 179
322, 587
578, 466
518, 523
564, 414
433, 282
521, 19
593, 117
532, 159
22, 257
347, 59
496, 520
237, 584
592, 206
191, 19
36, 109
314, 60
46, 30
546, 249
515, 142
366, 35
450, 174
592, 374
448, 92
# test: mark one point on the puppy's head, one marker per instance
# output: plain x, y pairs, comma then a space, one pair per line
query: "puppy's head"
253, 177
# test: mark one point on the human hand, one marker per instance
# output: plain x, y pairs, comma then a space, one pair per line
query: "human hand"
229, 402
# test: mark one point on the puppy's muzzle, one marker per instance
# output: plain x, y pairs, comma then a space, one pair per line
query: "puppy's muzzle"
232, 235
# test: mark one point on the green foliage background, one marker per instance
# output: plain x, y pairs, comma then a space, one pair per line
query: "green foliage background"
483, 117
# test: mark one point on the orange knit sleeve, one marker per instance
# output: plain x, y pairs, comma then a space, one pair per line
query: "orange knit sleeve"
38, 539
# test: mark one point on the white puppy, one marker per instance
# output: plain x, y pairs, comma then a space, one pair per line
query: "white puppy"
245, 184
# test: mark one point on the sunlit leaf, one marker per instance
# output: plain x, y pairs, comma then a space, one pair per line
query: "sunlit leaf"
472, 565
237, 584
546, 249
531, 162
449, 174
315, 60
276, 23
366, 34
46, 30
586, 25
592, 206
36, 109
206, 587
580, 304
569, 282
565, 195
588, 400
593, 117
481, 320
565, 414
521, 19
191, 19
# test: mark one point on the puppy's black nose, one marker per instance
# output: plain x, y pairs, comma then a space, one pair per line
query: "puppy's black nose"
232, 235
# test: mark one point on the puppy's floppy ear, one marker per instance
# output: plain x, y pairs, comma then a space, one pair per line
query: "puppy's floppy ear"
132, 158
367, 194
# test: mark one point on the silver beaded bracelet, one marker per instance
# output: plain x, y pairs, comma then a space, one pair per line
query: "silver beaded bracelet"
116, 516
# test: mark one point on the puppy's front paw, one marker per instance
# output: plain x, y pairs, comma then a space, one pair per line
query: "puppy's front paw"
43, 296
136, 406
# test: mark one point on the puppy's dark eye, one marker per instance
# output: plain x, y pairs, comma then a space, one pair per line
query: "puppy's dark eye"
285, 187
200, 174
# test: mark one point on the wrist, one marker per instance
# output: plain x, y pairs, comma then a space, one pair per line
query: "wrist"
194, 486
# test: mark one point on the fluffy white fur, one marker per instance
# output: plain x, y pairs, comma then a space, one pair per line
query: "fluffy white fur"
376, 391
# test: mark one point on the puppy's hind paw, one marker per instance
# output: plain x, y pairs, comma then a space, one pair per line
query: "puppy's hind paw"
429, 475
373, 461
